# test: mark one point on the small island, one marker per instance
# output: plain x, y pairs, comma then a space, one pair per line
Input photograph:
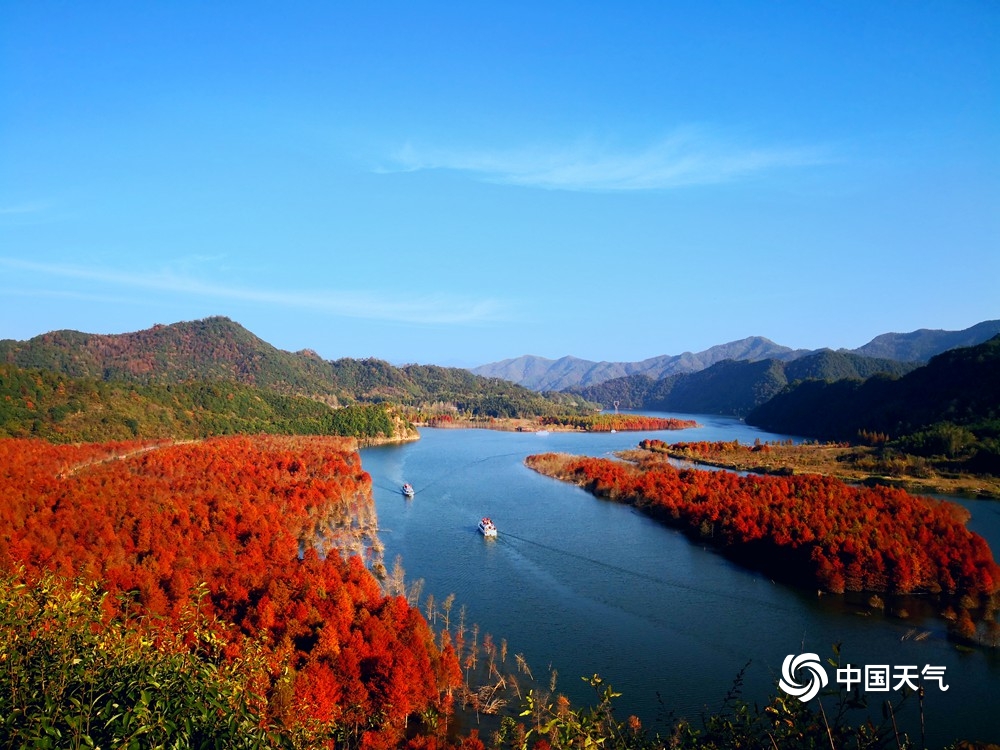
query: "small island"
808, 530
561, 423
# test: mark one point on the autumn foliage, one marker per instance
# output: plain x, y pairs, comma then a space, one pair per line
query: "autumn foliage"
620, 422
246, 516
813, 529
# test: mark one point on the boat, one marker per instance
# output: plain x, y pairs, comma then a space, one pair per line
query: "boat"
487, 528
407, 490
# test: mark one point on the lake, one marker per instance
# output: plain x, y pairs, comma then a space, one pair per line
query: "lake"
581, 586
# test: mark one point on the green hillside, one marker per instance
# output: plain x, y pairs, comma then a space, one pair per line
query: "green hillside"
219, 350
735, 387
59, 408
950, 406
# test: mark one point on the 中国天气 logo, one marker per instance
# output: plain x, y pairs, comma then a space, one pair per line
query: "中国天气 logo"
803, 676
810, 665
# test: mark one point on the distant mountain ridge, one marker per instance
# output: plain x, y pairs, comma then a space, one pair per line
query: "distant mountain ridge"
960, 387
922, 345
736, 386
541, 374
732, 378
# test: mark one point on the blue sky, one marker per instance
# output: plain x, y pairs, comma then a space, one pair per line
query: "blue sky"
458, 183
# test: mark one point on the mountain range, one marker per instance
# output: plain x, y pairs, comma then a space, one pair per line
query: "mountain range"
217, 349
943, 406
541, 374
735, 387
565, 373
733, 378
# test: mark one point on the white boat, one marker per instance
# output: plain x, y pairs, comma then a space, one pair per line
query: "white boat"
407, 490
487, 528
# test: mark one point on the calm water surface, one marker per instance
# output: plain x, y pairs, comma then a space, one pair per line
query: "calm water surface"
582, 586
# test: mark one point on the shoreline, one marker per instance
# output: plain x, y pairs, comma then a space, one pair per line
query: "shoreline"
499, 425
535, 424
827, 461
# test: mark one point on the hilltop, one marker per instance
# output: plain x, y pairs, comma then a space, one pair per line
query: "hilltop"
213, 376
219, 349
572, 373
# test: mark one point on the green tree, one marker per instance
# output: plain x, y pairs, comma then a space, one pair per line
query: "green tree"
72, 680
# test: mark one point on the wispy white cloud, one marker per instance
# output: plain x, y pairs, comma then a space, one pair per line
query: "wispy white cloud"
686, 158
70, 294
370, 305
21, 209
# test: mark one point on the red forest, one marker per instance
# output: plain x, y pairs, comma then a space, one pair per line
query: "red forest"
620, 422
240, 514
815, 528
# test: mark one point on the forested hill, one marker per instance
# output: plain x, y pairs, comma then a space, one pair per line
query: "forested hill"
920, 346
211, 349
732, 387
572, 373
219, 350
960, 388
61, 409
